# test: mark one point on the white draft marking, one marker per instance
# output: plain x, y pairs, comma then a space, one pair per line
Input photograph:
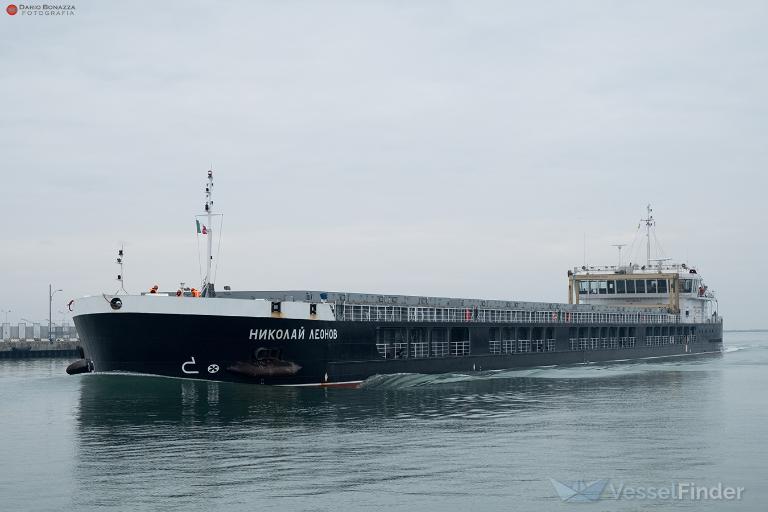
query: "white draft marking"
184, 366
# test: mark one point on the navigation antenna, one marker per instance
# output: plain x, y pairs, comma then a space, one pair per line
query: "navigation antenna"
619, 247
649, 223
121, 275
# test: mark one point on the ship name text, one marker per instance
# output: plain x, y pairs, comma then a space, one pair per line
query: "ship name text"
293, 334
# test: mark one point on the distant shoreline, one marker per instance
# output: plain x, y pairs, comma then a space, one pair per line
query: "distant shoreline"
745, 330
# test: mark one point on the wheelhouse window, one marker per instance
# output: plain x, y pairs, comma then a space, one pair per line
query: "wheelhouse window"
687, 286
650, 286
611, 287
602, 287
640, 286
630, 286
662, 286
593, 287
583, 287
621, 286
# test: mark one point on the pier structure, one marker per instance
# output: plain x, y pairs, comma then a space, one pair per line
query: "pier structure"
33, 340
24, 331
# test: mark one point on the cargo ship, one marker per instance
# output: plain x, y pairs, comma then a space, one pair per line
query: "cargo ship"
323, 338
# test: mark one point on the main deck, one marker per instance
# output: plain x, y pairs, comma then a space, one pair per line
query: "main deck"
362, 307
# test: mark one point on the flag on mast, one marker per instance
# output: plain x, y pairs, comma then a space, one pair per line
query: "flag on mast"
201, 229
198, 225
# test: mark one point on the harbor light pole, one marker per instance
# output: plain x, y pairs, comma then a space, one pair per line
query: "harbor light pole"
6, 311
51, 293
619, 247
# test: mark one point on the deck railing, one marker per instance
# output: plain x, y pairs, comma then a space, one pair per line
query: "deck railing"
366, 313
601, 343
521, 346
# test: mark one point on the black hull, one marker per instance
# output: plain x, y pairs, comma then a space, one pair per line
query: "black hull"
226, 348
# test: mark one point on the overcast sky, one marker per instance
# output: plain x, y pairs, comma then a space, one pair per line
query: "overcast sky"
431, 148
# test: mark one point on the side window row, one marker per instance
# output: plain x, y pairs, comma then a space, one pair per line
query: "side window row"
632, 286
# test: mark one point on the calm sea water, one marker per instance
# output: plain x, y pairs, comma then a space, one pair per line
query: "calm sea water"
483, 442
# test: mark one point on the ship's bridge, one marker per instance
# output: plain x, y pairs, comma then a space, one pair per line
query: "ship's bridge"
679, 287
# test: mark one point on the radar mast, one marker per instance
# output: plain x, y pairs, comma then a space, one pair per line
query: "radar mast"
649, 223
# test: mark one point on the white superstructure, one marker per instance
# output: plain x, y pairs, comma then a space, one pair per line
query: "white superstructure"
678, 287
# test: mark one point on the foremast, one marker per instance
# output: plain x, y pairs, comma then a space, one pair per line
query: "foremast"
207, 287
